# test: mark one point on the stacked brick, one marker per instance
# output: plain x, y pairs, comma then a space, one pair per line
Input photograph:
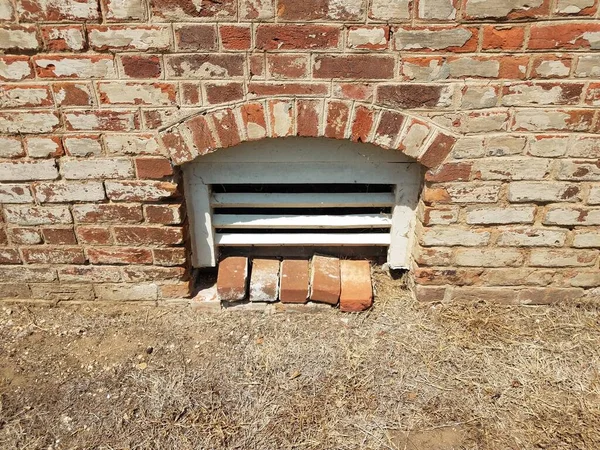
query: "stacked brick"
102, 100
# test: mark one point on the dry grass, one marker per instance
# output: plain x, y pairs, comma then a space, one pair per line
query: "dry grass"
403, 376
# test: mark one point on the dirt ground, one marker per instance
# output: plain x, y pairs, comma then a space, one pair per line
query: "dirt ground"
402, 376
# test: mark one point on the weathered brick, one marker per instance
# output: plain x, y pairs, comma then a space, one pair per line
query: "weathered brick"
18, 38
223, 92
429, 294
566, 36
388, 128
280, 116
145, 191
102, 120
264, 280
449, 237
126, 292
99, 213
548, 146
512, 169
138, 235
531, 237
578, 170
9, 256
154, 168
524, 276
150, 273
29, 96
204, 65
16, 122
594, 197
53, 255
462, 193
325, 279
93, 235
526, 94
24, 236
503, 38
410, 96
128, 38
459, 277
14, 291
11, 147
563, 258
169, 256
433, 256
61, 192
74, 66
83, 145
508, 9
523, 192
338, 114
578, 7
117, 10
44, 147
73, 169
15, 68
587, 66
158, 94
60, 38
256, 9
140, 66
552, 120
551, 66
294, 10
195, 37
133, 144
288, 89
226, 126
15, 193
441, 215
454, 39
572, 216
232, 279
287, 65
235, 37
43, 11
189, 9
27, 274
356, 67
297, 37
500, 215
356, 289
369, 38
362, 125
294, 281
62, 292
119, 255
308, 117
478, 97
253, 117
28, 170
489, 257
59, 236
586, 239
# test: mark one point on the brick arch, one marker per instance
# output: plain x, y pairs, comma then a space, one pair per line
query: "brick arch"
230, 125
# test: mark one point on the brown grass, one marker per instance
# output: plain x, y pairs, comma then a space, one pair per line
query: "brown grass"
403, 376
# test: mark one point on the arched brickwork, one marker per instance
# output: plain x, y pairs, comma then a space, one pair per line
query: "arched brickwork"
258, 119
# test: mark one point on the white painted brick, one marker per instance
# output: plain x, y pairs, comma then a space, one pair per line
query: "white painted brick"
437, 9
43, 147
61, 192
532, 237
96, 168
488, 257
594, 198
6, 10
133, 144
563, 258
500, 215
365, 37
15, 193
135, 94
478, 97
572, 216
28, 170
578, 170
473, 68
15, 122
588, 66
585, 148
520, 192
79, 67
434, 39
10, 147
448, 237
473, 193
83, 146
505, 145
487, 8
125, 9
126, 292
390, 9
549, 147
573, 6
22, 39
512, 169
14, 70
537, 121
468, 147
587, 239
37, 215
138, 38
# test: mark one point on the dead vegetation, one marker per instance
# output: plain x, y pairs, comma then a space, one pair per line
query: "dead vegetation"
403, 376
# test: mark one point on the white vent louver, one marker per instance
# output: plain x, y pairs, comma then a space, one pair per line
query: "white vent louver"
301, 192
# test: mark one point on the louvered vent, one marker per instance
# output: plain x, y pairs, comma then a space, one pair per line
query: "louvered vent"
299, 192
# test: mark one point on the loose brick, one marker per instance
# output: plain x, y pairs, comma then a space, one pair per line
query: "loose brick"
294, 281
264, 280
99, 213
72, 169
119, 255
437, 150
356, 292
232, 279
37, 215
61, 192
325, 280
297, 37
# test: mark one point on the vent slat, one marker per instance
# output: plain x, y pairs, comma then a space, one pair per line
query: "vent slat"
246, 221
279, 200
316, 239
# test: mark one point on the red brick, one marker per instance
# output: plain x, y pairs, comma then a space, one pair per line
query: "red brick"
226, 127
119, 255
154, 168
369, 38
503, 38
287, 66
437, 150
257, 65
232, 279
253, 116
295, 10
196, 37
592, 96
169, 256
163, 214
390, 124
140, 191
294, 281
141, 66
566, 36
409, 96
354, 91
53, 255
264, 280
102, 120
98, 213
191, 93
235, 37
59, 236
74, 66
297, 37
430, 293
450, 172
288, 89
542, 66
175, 290
9, 256
337, 119
354, 67
325, 279
60, 38
223, 92
24, 236
138, 274
148, 235
308, 114
356, 287
194, 9
363, 123
94, 235
72, 94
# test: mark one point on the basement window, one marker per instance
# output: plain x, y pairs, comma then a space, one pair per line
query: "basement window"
294, 196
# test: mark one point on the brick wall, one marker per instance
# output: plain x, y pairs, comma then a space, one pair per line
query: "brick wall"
103, 100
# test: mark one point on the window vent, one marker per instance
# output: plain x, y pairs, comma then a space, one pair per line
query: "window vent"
299, 192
